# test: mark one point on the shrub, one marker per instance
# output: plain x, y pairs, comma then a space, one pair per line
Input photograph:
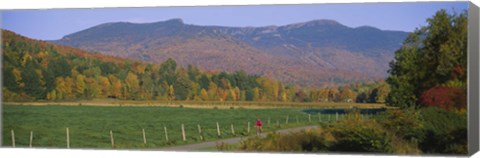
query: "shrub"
445, 132
222, 146
357, 135
456, 142
406, 124
445, 97
304, 141
353, 134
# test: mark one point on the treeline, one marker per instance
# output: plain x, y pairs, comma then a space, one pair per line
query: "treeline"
430, 69
37, 70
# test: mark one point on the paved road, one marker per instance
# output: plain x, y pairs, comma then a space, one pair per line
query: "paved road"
193, 147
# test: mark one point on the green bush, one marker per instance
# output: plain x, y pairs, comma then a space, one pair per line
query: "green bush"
406, 124
445, 132
359, 135
304, 141
439, 120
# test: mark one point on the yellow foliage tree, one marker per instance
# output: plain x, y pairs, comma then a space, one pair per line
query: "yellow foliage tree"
275, 90
132, 84
80, 85
105, 86
212, 91
171, 93
284, 96
238, 93
233, 94
60, 87
93, 88
116, 88
256, 94
69, 84
18, 77
204, 95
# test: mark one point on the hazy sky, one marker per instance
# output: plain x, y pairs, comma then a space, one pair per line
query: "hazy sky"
55, 23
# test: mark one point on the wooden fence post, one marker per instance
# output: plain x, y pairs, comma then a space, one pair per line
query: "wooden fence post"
336, 115
31, 138
111, 139
183, 133
309, 118
233, 130
144, 137
166, 133
13, 138
68, 139
286, 121
218, 129
200, 131
319, 118
248, 127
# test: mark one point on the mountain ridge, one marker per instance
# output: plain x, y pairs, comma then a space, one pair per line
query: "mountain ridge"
324, 50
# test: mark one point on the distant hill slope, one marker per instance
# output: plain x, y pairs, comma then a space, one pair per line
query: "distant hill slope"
307, 53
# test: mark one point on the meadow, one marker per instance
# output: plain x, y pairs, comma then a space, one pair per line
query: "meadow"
90, 126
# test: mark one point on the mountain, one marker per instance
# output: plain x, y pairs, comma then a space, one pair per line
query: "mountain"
309, 53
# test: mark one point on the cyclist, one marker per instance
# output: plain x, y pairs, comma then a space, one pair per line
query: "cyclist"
259, 125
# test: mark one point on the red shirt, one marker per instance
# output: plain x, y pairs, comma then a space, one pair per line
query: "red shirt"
259, 123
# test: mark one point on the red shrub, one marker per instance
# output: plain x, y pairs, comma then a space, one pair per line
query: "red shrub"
445, 97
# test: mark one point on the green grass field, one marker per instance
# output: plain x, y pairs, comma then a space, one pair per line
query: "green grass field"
89, 126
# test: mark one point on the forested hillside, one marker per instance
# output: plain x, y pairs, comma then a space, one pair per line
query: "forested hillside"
306, 53
38, 70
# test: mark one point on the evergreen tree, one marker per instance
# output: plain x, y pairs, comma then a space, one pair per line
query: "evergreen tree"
33, 87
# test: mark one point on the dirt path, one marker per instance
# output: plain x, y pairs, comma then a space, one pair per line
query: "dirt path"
193, 147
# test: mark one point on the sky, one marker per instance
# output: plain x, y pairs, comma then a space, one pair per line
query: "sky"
53, 24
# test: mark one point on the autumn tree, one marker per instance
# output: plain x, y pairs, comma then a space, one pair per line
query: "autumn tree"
182, 86
132, 84
171, 93
80, 85
105, 86
69, 84
333, 94
429, 57
382, 93
116, 89
445, 97
256, 94
60, 88
212, 91
147, 87
204, 95
346, 95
